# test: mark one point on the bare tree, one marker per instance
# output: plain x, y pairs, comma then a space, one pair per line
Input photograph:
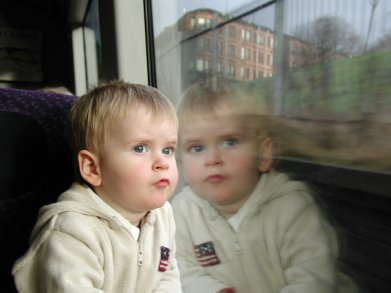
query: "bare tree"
384, 43
325, 39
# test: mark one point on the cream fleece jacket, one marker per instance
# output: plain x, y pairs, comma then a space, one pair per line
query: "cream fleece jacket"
76, 246
282, 243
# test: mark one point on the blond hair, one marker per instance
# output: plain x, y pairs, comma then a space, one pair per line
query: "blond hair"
216, 97
95, 114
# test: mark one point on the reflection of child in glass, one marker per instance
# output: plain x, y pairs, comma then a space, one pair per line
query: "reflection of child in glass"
242, 227
113, 230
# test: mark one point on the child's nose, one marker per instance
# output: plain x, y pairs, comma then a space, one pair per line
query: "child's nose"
160, 163
213, 157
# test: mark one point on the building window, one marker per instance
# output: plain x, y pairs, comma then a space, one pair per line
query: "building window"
231, 50
200, 65
201, 22
192, 23
206, 65
246, 35
245, 53
268, 59
261, 57
260, 39
221, 47
232, 32
270, 42
231, 70
200, 43
207, 45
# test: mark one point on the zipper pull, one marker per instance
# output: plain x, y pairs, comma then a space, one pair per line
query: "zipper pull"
140, 257
140, 244
237, 246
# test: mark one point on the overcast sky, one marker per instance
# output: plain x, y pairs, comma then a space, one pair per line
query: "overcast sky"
297, 12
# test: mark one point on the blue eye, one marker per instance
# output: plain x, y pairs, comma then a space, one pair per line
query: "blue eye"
168, 151
140, 148
196, 149
230, 142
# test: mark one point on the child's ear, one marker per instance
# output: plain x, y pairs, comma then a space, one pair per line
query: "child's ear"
89, 167
265, 155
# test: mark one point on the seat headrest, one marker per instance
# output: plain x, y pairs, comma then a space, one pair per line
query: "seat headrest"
33, 138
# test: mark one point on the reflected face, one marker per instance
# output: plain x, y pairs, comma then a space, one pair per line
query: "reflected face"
138, 165
220, 158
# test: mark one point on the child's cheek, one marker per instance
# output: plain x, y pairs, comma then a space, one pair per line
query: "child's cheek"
192, 170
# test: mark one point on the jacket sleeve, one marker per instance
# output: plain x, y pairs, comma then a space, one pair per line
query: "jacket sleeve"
194, 277
308, 248
170, 283
61, 264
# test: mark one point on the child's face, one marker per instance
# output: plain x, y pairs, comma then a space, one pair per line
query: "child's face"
220, 157
138, 167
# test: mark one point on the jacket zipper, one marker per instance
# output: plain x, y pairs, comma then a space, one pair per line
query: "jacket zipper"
140, 247
140, 254
238, 249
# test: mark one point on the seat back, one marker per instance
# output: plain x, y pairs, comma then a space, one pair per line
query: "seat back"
35, 166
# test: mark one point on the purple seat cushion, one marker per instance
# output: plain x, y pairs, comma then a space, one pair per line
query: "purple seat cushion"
35, 166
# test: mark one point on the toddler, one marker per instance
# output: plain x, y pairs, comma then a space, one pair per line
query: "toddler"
113, 229
242, 226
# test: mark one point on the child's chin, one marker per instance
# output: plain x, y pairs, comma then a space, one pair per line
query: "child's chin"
220, 199
158, 202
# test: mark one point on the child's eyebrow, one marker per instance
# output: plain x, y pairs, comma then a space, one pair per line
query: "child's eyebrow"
236, 133
173, 141
190, 141
231, 132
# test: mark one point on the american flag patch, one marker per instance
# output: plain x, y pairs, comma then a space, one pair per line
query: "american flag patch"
206, 254
164, 255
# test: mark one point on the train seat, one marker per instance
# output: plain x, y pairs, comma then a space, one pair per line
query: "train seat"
35, 166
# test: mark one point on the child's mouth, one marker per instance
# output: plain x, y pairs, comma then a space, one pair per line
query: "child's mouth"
162, 183
215, 178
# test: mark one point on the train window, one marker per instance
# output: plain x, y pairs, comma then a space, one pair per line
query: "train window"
92, 43
327, 70
324, 67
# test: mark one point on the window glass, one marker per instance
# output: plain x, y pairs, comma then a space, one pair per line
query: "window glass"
92, 43
332, 68
324, 67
